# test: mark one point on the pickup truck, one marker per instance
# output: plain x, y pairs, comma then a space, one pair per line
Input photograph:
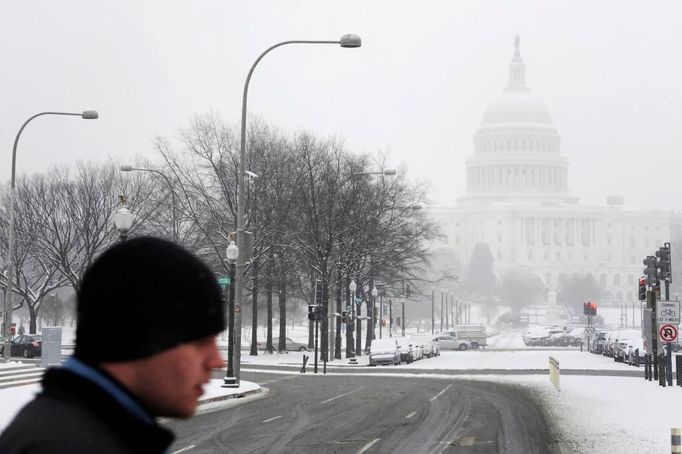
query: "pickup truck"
475, 335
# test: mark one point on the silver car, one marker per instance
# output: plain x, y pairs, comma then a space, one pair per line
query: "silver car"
452, 343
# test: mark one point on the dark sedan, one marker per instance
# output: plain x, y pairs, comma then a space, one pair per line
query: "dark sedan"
27, 345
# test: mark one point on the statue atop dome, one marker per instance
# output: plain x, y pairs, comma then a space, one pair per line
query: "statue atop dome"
517, 69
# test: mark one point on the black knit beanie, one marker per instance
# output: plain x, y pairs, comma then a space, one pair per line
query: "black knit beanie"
144, 296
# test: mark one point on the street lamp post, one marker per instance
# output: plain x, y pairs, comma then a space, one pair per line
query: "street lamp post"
130, 168
230, 381
375, 293
9, 294
347, 41
349, 329
123, 219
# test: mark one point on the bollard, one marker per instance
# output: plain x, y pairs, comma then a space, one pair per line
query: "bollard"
678, 369
554, 372
647, 368
305, 360
637, 358
675, 441
661, 370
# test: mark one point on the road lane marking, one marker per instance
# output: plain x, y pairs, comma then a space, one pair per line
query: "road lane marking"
272, 419
337, 397
411, 415
440, 393
184, 449
368, 445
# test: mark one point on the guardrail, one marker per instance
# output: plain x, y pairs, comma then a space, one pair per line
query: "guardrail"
554, 372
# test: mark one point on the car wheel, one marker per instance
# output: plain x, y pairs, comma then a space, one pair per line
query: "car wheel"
302, 349
474, 345
463, 347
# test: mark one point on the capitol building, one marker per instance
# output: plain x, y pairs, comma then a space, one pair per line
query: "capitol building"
518, 201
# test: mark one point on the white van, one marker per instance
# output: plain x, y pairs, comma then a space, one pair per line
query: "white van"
384, 351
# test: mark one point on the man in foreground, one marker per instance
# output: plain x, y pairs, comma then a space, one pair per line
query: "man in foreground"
148, 312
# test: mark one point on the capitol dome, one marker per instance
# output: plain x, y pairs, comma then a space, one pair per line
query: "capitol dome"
517, 149
516, 107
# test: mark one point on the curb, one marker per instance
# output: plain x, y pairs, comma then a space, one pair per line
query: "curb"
241, 395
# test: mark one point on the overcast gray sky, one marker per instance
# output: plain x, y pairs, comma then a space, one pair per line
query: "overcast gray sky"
609, 71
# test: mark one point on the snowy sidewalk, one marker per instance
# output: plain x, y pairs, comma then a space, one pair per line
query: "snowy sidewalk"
215, 396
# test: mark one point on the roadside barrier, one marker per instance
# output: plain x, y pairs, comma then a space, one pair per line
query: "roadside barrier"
675, 441
305, 360
554, 372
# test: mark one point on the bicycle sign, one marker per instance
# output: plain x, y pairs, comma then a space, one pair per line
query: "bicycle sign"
668, 333
668, 312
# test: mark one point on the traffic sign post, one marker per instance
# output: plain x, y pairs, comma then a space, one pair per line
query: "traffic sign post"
668, 334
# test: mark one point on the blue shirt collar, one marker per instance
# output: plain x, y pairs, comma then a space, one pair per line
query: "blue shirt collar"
114, 389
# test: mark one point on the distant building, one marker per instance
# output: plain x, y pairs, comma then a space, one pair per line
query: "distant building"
517, 200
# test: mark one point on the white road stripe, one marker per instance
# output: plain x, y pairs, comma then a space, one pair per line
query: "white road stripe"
272, 419
337, 397
440, 393
411, 415
368, 445
184, 449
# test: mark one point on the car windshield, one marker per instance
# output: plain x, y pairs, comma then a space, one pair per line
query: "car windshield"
498, 180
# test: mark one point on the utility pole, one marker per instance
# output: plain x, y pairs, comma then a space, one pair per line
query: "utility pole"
441, 310
403, 316
433, 319
390, 317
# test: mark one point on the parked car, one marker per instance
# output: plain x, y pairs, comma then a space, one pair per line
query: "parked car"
427, 343
292, 346
611, 338
564, 340
27, 345
452, 343
620, 353
406, 349
384, 351
599, 342
635, 349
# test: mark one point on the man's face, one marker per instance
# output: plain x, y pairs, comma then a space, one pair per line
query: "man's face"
170, 383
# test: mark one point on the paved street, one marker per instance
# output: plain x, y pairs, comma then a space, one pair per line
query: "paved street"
339, 414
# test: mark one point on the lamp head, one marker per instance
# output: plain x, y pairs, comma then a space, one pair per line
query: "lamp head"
232, 251
350, 41
353, 286
89, 115
126, 168
389, 172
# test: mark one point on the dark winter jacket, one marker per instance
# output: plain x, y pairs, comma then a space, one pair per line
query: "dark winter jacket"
73, 415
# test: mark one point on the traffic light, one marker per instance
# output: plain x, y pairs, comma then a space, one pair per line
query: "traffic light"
311, 312
589, 308
642, 288
663, 263
344, 317
650, 270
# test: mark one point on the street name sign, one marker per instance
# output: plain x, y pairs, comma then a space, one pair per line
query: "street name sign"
668, 312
